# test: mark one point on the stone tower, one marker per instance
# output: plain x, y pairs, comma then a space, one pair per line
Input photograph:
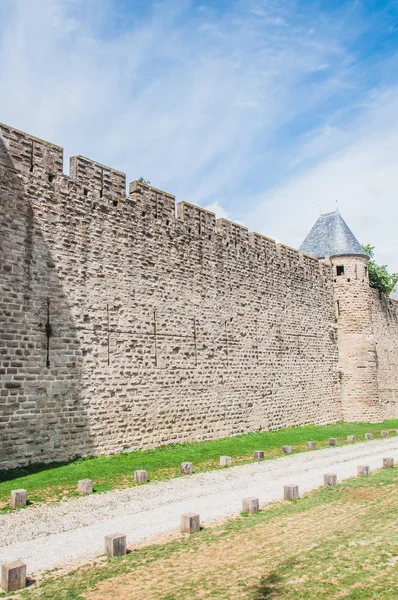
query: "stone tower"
332, 241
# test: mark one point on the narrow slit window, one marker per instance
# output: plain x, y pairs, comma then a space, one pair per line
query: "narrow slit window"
339, 270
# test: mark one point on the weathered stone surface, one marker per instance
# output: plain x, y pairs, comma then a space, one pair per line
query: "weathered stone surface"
332, 442
351, 439
369, 436
311, 445
115, 544
140, 476
291, 491
225, 461
250, 505
329, 479
363, 470
124, 326
258, 454
190, 523
388, 463
13, 576
18, 498
286, 449
186, 468
85, 486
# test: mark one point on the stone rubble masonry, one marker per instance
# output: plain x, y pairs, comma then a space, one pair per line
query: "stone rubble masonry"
126, 324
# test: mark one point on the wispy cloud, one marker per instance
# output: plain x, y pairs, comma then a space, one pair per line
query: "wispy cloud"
258, 108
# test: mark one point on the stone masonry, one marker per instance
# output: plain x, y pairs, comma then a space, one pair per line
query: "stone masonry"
125, 323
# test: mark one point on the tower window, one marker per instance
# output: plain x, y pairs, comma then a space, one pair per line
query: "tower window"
340, 270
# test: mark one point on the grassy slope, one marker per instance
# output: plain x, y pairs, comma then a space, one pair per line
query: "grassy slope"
333, 543
55, 482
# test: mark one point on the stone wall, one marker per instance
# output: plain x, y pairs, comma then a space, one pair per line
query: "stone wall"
125, 325
385, 323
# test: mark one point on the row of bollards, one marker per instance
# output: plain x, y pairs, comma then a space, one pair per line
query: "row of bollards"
85, 486
13, 574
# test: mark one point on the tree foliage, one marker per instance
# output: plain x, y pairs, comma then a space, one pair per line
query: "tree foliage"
379, 276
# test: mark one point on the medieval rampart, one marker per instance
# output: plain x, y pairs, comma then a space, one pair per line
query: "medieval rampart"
125, 323
385, 324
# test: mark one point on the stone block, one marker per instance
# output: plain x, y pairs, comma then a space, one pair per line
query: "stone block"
225, 461
369, 436
363, 470
140, 476
388, 463
329, 479
18, 498
250, 505
384, 433
291, 492
286, 449
258, 455
311, 445
190, 523
351, 439
85, 486
186, 468
332, 442
13, 576
115, 544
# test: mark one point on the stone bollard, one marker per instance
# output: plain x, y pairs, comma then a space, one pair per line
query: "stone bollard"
186, 468
13, 576
388, 463
311, 445
190, 523
291, 492
115, 545
368, 436
85, 486
140, 476
329, 479
363, 470
384, 433
332, 442
18, 498
225, 461
286, 449
250, 505
351, 439
258, 455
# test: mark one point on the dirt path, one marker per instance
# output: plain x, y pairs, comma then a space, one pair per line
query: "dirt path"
52, 536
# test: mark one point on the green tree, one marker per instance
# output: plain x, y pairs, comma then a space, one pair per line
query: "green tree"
379, 276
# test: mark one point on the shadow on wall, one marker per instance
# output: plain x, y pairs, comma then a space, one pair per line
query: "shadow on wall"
42, 418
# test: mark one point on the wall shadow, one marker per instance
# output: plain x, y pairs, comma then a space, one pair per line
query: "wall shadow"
42, 417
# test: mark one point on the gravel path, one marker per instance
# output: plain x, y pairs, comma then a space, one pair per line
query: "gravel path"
49, 536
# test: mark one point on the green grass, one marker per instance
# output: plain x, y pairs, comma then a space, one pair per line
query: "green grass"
334, 543
46, 483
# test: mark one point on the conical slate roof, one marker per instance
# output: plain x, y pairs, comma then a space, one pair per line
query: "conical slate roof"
394, 293
331, 236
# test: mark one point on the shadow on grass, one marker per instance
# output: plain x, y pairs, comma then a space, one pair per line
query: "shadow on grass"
269, 587
272, 586
17, 473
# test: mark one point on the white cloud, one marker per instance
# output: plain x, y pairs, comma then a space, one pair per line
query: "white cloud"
362, 175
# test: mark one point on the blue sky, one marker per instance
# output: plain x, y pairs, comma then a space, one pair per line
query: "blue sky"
266, 111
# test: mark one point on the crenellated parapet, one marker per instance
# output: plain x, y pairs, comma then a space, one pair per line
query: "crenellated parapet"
98, 185
96, 180
29, 154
